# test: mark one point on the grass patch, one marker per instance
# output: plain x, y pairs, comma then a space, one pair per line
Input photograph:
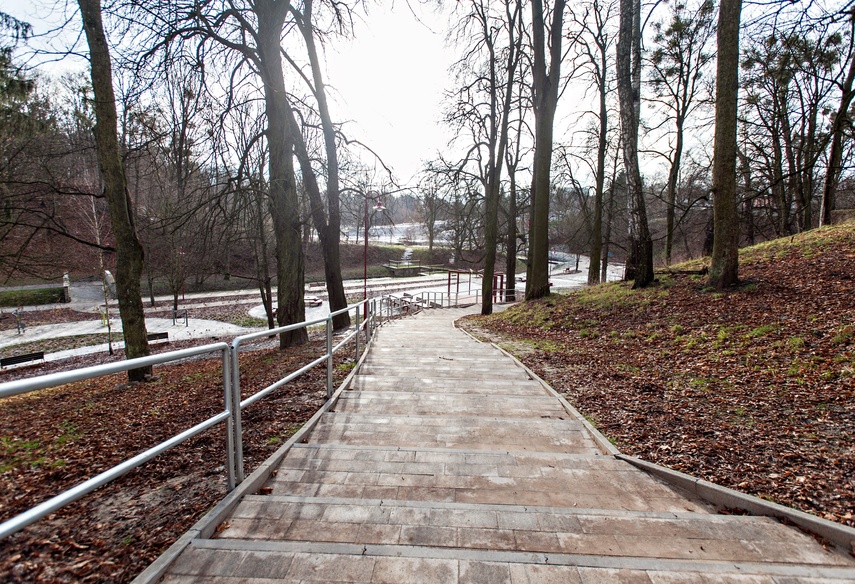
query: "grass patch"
761, 331
37, 297
844, 335
250, 322
60, 344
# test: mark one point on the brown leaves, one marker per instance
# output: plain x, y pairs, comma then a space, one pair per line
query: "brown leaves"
58, 438
752, 389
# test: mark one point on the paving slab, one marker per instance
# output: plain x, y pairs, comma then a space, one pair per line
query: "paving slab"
444, 461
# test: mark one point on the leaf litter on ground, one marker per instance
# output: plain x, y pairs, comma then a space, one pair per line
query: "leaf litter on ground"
752, 388
54, 439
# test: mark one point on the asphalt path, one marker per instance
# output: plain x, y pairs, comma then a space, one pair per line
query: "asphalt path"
89, 297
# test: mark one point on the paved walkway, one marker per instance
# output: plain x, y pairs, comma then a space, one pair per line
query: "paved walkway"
446, 462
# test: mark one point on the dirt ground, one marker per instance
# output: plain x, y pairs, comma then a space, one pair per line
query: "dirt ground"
54, 439
752, 388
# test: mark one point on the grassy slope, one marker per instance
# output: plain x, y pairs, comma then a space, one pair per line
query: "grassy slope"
751, 388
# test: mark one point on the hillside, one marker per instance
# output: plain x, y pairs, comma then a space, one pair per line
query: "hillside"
752, 388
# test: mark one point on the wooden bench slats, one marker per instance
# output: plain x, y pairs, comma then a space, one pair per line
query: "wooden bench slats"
18, 359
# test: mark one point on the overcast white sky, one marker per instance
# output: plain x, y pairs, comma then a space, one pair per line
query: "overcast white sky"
390, 80
386, 83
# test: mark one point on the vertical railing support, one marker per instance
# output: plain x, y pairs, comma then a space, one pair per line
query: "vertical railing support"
230, 421
357, 332
329, 358
373, 317
238, 430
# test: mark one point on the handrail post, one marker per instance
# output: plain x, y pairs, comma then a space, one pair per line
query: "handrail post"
329, 358
357, 333
372, 311
230, 436
367, 322
238, 430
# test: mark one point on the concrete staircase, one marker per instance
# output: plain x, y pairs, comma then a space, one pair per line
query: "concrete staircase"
446, 462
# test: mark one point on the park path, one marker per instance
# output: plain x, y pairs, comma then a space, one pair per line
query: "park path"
446, 462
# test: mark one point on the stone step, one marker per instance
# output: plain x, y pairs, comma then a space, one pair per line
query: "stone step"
226, 561
498, 478
447, 385
686, 536
454, 432
438, 358
461, 370
445, 463
436, 404
428, 345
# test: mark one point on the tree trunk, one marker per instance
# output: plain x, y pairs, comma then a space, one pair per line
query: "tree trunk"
129, 251
607, 233
783, 225
597, 224
794, 185
284, 199
511, 240
329, 228
841, 122
329, 238
639, 266
673, 176
724, 268
545, 90
748, 204
491, 235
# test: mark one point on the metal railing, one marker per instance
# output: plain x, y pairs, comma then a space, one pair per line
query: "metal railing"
436, 299
379, 310
52, 380
367, 325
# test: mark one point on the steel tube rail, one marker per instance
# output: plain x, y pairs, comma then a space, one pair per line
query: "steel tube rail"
275, 331
26, 518
238, 405
344, 341
20, 386
274, 386
51, 380
231, 414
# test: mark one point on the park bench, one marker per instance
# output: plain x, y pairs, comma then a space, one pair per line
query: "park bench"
158, 337
18, 359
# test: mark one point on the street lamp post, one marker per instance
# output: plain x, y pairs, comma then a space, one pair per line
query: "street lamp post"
378, 207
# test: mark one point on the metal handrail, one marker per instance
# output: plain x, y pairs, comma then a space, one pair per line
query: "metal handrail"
238, 405
21, 386
231, 413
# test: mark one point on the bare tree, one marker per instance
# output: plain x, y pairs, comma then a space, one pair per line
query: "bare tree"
545, 89
129, 251
327, 225
594, 47
724, 268
639, 265
482, 110
677, 66
249, 37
